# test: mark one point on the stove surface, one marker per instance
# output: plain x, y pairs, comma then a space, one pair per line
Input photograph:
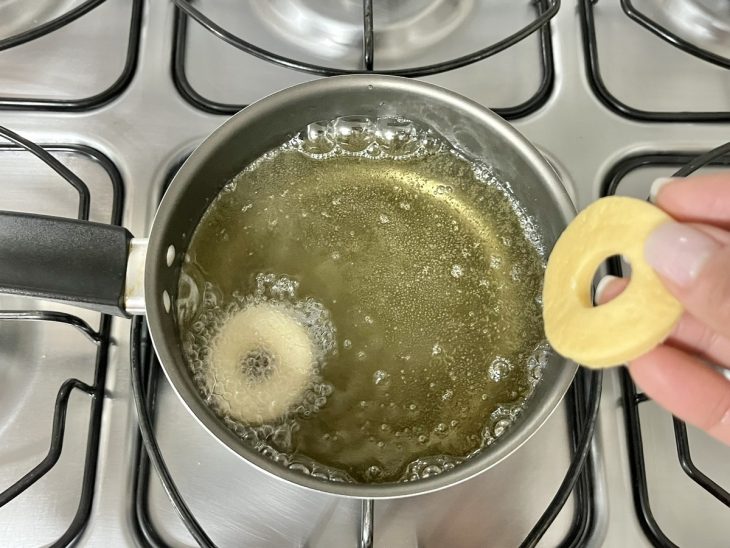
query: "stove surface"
152, 122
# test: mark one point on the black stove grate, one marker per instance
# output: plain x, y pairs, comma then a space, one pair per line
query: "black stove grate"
545, 11
100, 337
49, 26
689, 467
83, 103
599, 87
583, 400
632, 399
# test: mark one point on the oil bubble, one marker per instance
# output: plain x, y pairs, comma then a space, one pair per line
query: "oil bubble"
397, 137
380, 377
354, 133
318, 138
499, 368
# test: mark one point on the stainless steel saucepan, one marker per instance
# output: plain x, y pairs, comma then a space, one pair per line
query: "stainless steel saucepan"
103, 268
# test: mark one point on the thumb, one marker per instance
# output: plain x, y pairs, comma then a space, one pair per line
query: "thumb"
695, 267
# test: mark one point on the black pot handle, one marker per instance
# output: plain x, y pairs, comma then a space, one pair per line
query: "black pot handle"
78, 262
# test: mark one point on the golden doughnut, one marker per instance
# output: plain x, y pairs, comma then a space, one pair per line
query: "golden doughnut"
267, 337
633, 323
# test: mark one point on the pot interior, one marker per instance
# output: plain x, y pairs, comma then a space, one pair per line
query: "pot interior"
265, 125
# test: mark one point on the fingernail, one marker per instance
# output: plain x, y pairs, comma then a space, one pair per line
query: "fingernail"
678, 252
658, 184
603, 283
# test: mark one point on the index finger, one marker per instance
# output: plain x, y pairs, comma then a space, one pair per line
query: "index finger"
691, 390
696, 199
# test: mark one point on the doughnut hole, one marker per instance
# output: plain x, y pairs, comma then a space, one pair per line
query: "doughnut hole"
257, 364
610, 264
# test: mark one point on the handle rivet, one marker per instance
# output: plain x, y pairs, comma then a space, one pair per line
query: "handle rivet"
166, 300
170, 255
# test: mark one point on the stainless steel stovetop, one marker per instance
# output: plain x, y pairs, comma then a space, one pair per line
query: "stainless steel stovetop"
121, 108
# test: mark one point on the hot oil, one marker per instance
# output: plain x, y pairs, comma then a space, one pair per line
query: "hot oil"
425, 275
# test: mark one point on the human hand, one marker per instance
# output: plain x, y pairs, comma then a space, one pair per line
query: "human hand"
692, 257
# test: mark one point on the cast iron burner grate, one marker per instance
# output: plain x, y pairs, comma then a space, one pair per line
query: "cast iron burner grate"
82, 103
632, 399
99, 337
582, 399
545, 10
597, 83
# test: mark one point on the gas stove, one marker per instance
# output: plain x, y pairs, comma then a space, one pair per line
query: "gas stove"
613, 92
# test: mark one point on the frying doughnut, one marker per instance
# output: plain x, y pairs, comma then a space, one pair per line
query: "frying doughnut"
263, 360
631, 324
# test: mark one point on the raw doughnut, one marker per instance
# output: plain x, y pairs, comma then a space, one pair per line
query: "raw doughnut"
264, 360
631, 324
